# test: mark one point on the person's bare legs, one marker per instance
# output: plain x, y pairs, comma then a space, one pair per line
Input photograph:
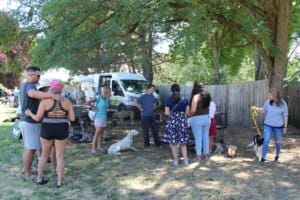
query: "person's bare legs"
27, 162
184, 153
46, 148
100, 138
53, 158
95, 140
174, 150
211, 143
60, 147
39, 153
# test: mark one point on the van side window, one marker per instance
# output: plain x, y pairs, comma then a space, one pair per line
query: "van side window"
117, 89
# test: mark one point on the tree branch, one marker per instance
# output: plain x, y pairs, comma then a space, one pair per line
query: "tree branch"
256, 10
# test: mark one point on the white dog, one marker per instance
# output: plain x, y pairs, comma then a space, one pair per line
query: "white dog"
257, 143
124, 144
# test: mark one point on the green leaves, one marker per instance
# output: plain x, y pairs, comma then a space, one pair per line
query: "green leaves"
93, 35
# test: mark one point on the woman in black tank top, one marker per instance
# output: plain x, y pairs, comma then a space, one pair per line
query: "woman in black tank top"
55, 127
200, 121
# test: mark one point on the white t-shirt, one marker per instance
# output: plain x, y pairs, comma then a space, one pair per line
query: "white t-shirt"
212, 109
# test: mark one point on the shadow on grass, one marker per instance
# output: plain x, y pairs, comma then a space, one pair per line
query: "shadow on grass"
148, 174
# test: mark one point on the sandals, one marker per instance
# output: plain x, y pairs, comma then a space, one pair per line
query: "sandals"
58, 185
94, 153
201, 158
42, 182
30, 178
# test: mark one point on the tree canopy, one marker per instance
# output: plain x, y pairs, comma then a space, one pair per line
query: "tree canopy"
210, 40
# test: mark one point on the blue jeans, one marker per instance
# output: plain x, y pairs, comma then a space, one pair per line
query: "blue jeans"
200, 126
149, 121
268, 131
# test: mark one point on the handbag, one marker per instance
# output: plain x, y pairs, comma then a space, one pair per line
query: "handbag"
16, 130
92, 115
92, 112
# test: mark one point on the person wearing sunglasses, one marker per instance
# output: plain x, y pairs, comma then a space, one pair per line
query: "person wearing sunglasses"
29, 99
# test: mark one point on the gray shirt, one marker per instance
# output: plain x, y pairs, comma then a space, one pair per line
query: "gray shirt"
28, 102
275, 114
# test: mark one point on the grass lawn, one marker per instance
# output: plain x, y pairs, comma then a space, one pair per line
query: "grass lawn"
148, 174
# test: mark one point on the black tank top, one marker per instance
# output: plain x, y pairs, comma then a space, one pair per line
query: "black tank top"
56, 111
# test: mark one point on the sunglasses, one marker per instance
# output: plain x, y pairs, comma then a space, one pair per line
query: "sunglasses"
37, 75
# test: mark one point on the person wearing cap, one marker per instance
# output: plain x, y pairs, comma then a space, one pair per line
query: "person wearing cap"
44, 86
29, 99
55, 116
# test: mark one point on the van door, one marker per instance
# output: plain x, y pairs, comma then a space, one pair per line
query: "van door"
119, 99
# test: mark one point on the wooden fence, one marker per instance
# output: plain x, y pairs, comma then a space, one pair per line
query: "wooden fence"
293, 94
234, 100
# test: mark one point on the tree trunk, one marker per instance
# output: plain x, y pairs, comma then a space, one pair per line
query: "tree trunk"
276, 15
216, 51
132, 67
281, 43
147, 65
259, 65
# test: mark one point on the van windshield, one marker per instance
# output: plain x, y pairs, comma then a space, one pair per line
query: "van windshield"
135, 86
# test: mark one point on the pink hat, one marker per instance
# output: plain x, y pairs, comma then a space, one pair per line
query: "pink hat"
56, 86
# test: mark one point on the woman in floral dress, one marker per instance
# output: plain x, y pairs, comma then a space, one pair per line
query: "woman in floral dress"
176, 131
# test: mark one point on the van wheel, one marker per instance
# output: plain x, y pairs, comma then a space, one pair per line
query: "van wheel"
122, 107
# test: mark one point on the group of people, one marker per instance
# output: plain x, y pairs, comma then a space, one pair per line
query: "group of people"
200, 111
45, 117
44, 125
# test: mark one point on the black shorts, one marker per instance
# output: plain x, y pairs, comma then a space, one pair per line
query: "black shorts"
58, 131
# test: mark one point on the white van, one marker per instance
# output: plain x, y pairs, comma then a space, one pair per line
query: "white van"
126, 88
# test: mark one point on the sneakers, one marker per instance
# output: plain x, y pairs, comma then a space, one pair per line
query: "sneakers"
262, 161
176, 163
276, 158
